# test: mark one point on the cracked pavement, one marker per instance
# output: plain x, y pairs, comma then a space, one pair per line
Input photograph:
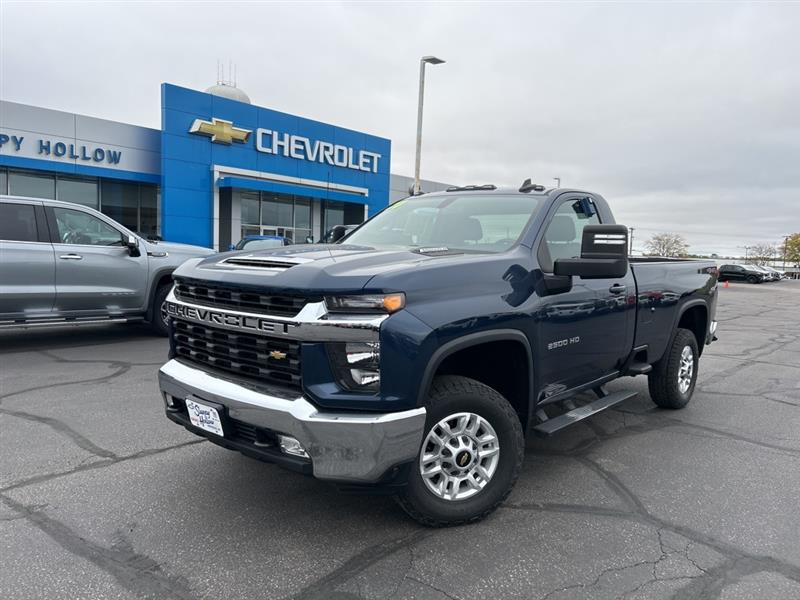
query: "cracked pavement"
102, 497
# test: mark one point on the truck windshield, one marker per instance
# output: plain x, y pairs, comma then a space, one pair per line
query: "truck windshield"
469, 223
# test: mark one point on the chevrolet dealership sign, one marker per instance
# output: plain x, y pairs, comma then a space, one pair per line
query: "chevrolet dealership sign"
269, 141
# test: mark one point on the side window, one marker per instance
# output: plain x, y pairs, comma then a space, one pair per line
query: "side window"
77, 227
563, 236
18, 223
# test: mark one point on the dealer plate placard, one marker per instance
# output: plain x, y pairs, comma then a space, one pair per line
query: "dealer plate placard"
204, 417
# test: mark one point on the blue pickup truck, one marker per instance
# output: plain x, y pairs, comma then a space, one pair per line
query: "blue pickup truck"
415, 355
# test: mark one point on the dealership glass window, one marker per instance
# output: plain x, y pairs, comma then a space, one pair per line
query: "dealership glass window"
250, 208
79, 191
270, 213
302, 213
148, 211
342, 213
32, 185
277, 209
3, 182
121, 202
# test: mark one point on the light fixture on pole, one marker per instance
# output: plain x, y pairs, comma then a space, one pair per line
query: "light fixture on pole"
422, 62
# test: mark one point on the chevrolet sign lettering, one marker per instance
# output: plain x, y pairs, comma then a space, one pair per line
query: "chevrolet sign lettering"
302, 148
246, 322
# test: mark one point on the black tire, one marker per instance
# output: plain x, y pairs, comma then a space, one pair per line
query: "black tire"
663, 380
158, 322
454, 394
752, 279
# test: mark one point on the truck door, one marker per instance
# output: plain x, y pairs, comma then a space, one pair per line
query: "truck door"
586, 332
94, 270
27, 265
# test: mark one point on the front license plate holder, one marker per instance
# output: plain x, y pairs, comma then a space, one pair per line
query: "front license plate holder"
205, 415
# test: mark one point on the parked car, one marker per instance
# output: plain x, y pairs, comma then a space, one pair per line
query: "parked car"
769, 274
259, 242
63, 263
414, 357
741, 273
776, 274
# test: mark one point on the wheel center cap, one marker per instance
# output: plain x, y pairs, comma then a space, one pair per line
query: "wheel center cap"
463, 459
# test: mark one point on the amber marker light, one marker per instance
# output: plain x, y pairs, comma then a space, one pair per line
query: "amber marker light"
393, 302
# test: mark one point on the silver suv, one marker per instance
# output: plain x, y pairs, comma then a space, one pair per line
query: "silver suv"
63, 263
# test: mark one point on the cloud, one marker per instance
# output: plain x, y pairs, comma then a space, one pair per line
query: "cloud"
682, 115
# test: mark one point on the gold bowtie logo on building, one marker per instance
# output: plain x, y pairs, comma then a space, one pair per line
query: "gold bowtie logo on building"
220, 131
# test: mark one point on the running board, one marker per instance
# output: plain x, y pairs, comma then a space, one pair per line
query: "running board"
66, 322
556, 424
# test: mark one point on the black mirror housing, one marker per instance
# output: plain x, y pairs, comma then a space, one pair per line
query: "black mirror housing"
337, 233
132, 243
604, 254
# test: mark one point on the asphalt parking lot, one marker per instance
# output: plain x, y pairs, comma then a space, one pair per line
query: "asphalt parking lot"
102, 497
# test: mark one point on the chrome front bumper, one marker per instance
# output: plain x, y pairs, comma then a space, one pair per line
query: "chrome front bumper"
343, 446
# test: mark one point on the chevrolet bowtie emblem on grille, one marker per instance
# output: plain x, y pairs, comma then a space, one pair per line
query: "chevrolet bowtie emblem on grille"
277, 355
220, 131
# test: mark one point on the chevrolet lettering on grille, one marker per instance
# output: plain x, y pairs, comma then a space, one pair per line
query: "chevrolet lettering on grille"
213, 317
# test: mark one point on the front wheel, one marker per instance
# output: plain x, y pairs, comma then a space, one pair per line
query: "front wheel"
470, 457
753, 279
672, 380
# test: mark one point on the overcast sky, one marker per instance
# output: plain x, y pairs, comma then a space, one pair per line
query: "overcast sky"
686, 117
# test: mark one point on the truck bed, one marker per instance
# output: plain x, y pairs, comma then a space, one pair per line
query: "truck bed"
664, 286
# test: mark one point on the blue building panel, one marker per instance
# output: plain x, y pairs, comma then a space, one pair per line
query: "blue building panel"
290, 146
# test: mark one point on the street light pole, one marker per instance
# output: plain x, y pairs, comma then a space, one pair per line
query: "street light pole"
558, 181
785, 243
422, 62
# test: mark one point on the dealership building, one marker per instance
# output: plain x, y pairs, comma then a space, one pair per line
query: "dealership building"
218, 169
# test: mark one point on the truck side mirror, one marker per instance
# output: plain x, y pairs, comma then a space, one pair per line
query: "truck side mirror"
337, 233
132, 243
604, 254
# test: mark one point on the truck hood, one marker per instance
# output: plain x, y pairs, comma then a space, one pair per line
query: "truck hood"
320, 269
187, 250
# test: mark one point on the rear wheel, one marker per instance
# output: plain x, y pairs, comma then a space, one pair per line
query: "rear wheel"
159, 321
673, 378
470, 457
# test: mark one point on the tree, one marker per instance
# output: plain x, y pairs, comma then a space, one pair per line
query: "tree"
761, 254
791, 249
667, 244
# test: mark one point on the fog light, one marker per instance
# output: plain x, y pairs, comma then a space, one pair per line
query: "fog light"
357, 365
169, 400
290, 445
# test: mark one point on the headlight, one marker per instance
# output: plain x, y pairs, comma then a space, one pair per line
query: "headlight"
357, 364
369, 303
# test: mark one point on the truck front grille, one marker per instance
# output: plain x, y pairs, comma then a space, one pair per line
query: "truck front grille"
232, 297
271, 360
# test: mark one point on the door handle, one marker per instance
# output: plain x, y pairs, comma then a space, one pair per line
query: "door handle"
71, 257
617, 289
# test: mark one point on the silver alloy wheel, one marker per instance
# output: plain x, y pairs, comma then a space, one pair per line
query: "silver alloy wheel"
459, 456
686, 369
